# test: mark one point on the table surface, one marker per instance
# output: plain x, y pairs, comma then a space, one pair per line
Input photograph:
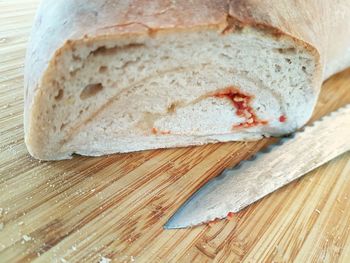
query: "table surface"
90, 209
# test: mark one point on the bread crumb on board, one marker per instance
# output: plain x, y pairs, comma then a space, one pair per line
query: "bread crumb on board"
104, 260
26, 238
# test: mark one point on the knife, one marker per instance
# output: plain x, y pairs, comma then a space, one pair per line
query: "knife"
267, 171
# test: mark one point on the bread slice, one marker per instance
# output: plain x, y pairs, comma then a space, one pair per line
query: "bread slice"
119, 76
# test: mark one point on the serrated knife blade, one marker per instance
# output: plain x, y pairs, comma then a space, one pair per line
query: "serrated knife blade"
269, 170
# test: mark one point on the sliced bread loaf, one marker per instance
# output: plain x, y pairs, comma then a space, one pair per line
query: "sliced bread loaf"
113, 76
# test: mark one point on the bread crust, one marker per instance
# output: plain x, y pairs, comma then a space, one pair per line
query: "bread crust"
61, 25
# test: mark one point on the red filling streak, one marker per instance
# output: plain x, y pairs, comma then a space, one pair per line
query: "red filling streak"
283, 118
241, 102
156, 131
228, 217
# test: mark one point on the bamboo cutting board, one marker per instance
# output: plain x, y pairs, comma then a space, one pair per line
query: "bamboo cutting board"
97, 209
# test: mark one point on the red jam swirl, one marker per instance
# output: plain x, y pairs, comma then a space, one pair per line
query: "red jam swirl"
242, 103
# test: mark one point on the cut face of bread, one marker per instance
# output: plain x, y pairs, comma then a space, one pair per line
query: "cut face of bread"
182, 88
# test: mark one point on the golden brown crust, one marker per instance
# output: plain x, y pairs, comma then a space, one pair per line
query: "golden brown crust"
324, 24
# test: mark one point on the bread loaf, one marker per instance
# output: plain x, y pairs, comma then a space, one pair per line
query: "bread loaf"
108, 76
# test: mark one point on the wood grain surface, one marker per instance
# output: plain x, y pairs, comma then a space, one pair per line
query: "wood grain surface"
113, 208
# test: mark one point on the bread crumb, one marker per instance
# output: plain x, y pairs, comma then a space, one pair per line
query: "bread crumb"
250, 121
26, 238
132, 259
74, 248
104, 260
63, 260
318, 211
20, 223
